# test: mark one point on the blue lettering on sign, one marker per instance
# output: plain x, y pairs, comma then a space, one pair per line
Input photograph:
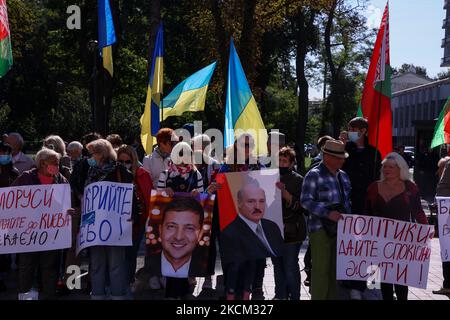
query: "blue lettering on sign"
101, 230
88, 218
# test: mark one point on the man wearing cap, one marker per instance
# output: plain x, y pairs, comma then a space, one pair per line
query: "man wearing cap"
326, 195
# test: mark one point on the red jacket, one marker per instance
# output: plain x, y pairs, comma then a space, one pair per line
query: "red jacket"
144, 186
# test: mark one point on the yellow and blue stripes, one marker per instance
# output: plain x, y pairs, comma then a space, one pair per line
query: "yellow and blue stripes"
241, 111
150, 117
106, 34
189, 95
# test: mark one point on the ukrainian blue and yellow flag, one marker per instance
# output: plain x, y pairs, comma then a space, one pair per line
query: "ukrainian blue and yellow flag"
106, 34
189, 95
150, 118
241, 111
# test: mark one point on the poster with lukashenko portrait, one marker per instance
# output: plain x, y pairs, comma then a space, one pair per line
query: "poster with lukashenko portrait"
250, 212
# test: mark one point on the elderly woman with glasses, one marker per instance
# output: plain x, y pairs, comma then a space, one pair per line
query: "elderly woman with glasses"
107, 260
395, 196
47, 172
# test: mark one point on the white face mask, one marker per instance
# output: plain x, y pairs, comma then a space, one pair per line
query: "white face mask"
353, 136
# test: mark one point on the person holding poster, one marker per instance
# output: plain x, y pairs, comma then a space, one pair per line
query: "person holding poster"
8, 173
443, 190
247, 240
240, 158
181, 176
395, 196
286, 268
107, 262
127, 156
362, 171
208, 168
47, 172
326, 195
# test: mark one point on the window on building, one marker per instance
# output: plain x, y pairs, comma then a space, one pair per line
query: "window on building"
402, 117
424, 112
413, 113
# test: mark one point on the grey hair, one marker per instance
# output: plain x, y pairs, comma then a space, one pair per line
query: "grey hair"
74, 145
104, 147
401, 163
57, 143
18, 137
44, 154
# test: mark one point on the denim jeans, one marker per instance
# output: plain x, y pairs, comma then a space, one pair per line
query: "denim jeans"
108, 262
287, 273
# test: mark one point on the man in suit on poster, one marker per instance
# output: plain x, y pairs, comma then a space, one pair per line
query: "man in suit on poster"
248, 240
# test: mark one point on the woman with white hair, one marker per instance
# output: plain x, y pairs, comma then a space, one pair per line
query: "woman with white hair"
57, 144
395, 196
47, 172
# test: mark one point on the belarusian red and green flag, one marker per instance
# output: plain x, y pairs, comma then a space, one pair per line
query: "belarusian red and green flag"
442, 128
376, 97
6, 59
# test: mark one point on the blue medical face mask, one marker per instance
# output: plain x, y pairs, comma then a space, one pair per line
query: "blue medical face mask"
353, 136
92, 162
5, 159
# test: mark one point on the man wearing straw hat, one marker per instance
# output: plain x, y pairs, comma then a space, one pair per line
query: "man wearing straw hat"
326, 195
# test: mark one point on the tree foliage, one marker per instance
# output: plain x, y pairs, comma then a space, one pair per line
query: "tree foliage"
280, 44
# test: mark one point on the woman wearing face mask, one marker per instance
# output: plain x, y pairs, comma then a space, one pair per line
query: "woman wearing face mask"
107, 262
181, 176
56, 143
286, 268
126, 155
47, 172
8, 173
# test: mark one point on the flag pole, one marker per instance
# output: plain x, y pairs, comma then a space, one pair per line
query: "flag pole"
378, 131
162, 111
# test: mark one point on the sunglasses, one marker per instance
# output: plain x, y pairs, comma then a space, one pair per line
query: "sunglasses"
125, 161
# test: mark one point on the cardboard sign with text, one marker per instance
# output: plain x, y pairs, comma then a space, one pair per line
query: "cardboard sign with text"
444, 226
376, 249
105, 215
34, 218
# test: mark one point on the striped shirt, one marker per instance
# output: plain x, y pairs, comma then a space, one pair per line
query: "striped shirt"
321, 190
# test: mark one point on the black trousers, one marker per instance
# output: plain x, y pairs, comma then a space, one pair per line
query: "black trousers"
446, 273
177, 288
47, 262
387, 290
260, 267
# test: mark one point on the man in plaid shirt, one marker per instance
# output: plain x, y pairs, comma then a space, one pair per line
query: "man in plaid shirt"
326, 195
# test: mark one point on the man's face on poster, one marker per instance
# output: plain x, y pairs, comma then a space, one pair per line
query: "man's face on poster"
252, 202
180, 233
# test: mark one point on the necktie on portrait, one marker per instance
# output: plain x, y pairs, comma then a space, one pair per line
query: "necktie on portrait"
260, 234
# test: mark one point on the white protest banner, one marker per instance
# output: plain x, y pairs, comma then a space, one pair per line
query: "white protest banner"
105, 215
383, 250
34, 218
444, 226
